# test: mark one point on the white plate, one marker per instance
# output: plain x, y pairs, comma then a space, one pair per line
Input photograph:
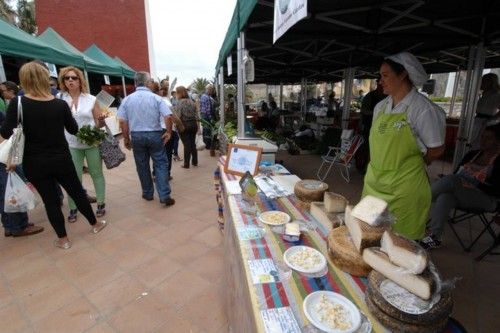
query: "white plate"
308, 270
285, 217
311, 301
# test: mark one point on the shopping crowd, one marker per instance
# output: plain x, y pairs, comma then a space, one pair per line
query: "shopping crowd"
151, 123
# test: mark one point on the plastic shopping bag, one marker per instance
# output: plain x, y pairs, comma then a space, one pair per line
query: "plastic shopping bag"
18, 196
200, 145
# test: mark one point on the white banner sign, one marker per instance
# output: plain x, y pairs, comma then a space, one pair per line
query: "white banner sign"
52, 69
286, 14
106, 80
229, 65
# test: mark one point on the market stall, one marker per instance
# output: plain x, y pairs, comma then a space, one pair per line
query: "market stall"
264, 293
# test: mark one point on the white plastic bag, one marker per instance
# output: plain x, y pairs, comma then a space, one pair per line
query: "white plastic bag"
200, 145
18, 196
5, 147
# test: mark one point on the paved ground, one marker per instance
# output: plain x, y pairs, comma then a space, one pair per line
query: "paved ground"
157, 269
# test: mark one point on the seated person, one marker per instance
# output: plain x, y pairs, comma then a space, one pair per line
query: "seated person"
475, 185
304, 137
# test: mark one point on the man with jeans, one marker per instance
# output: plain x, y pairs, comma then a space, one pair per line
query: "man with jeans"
140, 117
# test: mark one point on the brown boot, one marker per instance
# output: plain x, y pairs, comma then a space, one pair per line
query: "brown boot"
31, 230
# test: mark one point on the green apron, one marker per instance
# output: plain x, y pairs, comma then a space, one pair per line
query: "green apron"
396, 173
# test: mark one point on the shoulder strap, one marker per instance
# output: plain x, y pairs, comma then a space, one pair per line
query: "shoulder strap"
19, 110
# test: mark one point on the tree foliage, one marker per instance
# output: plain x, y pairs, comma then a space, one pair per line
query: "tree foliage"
22, 15
199, 85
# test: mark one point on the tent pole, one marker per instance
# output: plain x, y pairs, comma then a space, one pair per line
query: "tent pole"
221, 97
124, 87
454, 94
3, 78
281, 95
86, 74
241, 86
475, 67
349, 77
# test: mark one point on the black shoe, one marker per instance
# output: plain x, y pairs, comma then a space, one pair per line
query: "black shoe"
8, 233
73, 215
147, 198
185, 166
91, 199
167, 202
430, 242
32, 230
101, 210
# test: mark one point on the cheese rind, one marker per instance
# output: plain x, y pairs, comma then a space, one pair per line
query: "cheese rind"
363, 235
404, 252
420, 285
309, 190
334, 203
343, 253
370, 210
329, 220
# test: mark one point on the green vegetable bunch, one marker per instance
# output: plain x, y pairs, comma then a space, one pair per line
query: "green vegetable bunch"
230, 130
90, 135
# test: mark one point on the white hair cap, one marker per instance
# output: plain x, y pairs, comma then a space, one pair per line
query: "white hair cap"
416, 71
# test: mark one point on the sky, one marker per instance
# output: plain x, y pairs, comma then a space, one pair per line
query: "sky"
187, 36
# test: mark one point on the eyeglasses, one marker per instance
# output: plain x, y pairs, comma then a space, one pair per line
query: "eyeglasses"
74, 78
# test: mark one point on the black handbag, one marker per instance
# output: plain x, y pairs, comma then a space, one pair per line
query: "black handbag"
110, 150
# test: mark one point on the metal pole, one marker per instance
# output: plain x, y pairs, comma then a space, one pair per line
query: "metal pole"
241, 85
221, 96
349, 76
86, 74
2, 71
124, 87
281, 95
454, 95
473, 81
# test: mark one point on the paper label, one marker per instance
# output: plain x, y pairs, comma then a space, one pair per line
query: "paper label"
263, 271
249, 233
313, 185
280, 320
404, 300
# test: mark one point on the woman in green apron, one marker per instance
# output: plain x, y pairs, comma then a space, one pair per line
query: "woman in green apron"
407, 133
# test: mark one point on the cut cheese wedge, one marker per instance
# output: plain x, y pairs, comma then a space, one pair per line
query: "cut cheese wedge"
343, 253
363, 235
370, 210
404, 252
334, 203
292, 229
329, 220
420, 285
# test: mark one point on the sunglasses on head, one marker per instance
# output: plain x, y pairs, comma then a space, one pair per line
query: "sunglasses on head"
74, 78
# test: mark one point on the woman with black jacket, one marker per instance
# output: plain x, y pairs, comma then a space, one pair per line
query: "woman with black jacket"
475, 185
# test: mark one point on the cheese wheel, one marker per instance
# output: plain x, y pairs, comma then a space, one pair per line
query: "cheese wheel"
439, 312
309, 190
343, 253
329, 220
404, 252
363, 235
370, 210
334, 203
422, 285
395, 325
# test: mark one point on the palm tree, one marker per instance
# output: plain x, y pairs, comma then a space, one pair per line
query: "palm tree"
6, 11
26, 16
199, 85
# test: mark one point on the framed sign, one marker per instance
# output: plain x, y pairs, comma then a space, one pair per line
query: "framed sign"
241, 159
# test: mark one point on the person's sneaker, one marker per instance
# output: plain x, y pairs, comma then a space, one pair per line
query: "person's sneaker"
8, 233
147, 198
167, 202
96, 228
101, 210
430, 242
30, 230
91, 199
73, 215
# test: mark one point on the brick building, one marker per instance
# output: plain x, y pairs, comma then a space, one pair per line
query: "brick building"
119, 27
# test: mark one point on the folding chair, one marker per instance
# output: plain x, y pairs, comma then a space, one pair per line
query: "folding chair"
461, 215
490, 249
340, 156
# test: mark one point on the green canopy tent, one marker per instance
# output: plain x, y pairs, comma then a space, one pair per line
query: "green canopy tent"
52, 38
130, 72
94, 52
15, 42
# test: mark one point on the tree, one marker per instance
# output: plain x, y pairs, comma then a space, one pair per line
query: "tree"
199, 85
7, 12
26, 16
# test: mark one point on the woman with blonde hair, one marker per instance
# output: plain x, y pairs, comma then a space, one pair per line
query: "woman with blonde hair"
86, 111
188, 114
47, 159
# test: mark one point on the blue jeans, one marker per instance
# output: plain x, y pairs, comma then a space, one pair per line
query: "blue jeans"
146, 146
13, 222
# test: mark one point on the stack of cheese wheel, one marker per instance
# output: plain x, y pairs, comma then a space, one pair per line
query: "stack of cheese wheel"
309, 190
326, 211
404, 265
346, 244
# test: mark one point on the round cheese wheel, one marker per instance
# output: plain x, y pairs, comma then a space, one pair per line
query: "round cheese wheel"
309, 190
344, 254
399, 326
439, 312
